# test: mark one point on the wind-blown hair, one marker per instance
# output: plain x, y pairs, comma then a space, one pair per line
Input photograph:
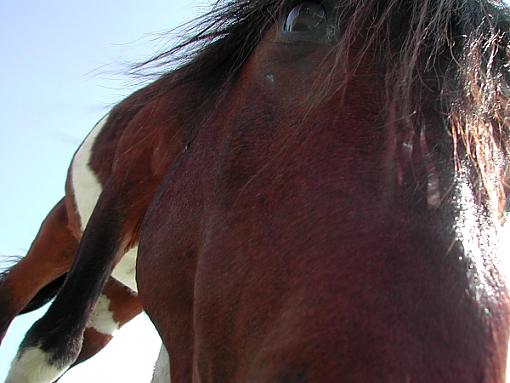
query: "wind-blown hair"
459, 48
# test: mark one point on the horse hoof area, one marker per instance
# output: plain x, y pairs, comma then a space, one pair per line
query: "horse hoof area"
33, 366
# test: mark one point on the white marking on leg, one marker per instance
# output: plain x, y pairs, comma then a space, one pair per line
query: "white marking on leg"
101, 318
86, 186
87, 189
161, 373
125, 271
33, 366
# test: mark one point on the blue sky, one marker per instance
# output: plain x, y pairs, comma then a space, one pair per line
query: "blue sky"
61, 70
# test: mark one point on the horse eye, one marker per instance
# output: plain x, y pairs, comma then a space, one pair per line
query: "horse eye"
308, 16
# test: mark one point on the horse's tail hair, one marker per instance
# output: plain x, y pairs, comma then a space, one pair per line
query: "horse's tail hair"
43, 296
8, 261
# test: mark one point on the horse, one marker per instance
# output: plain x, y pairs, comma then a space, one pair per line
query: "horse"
37, 277
317, 193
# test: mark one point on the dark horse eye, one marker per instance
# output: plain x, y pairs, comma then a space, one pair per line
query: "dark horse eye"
307, 16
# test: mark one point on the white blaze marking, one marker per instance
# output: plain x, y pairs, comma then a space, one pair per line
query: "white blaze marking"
101, 318
33, 366
86, 186
125, 271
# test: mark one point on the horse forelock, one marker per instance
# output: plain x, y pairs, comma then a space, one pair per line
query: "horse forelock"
459, 49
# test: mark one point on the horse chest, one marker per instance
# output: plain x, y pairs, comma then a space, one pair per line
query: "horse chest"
86, 189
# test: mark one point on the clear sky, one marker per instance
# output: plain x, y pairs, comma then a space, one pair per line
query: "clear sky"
61, 70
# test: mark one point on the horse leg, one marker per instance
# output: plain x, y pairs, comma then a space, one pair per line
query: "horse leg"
54, 342
50, 256
116, 306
